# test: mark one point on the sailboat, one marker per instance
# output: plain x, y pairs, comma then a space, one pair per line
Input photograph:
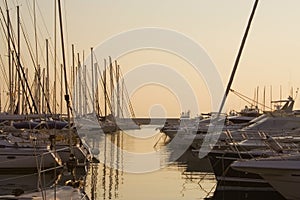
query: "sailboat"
28, 158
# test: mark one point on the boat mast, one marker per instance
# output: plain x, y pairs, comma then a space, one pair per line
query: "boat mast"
10, 110
44, 96
38, 67
123, 99
105, 90
111, 88
97, 94
79, 87
264, 99
18, 55
47, 75
237, 58
93, 91
61, 88
73, 78
257, 94
118, 88
67, 98
55, 51
271, 97
84, 88
20, 73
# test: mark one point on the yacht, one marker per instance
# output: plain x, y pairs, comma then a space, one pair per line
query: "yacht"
229, 178
199, 127
13, 156
282, 172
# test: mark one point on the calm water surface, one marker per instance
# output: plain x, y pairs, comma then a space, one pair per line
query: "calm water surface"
155, 176
136, 165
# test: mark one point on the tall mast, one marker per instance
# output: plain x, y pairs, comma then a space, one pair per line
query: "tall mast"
55, 59
105, 89
84, 86
67, 98
47, 75
21, 70
61, 88
111, 87
228, 88
73, 76
44, 100
264, 99
54, 91
257, 94
18, 55
79, 87
76, 91
39, 87
118, 88
9, 61
85, 91
25, 107
271, 97
35, 35
123, 99
238, 58
280, 94
93, 87
38, 76
97, 95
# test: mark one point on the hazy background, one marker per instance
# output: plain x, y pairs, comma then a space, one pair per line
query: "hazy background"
270, 58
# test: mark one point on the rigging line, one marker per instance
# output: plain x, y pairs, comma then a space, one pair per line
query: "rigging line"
21, 67
128, 98
3, 71
89, 93
3, 33
12, 37
4, 39
43, 19
249, 99
33, 23
249, 102
34, 66
102, 85
100, 77
67, 35
107, 95
67, 98
102, 81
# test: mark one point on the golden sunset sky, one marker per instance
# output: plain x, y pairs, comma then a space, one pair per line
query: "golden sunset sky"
271, 56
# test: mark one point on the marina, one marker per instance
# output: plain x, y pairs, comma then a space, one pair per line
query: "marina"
147, 113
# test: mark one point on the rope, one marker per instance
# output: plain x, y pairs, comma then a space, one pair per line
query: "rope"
247, 99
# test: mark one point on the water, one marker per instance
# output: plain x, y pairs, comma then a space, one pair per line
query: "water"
156, 176
137, 165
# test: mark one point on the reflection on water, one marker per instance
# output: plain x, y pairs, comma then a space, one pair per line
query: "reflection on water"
16, 184
187, 178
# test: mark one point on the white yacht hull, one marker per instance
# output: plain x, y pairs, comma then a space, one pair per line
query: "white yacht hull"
283, 173
19, 158
286, 183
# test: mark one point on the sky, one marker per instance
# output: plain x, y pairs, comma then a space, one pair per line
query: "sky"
270, 57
